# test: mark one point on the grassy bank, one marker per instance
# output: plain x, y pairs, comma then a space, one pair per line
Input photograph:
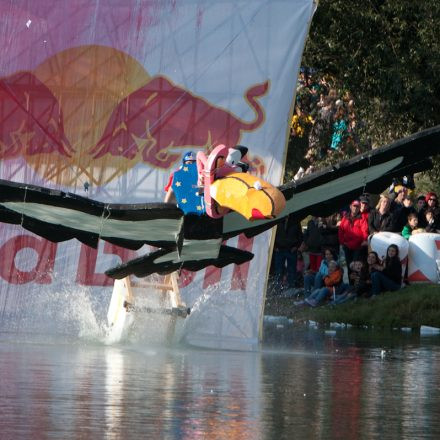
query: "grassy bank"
410, 307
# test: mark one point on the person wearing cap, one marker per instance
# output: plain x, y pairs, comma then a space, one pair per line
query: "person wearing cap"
188, 157
364, 207
353, 234
380, 218
431, 200
431, 203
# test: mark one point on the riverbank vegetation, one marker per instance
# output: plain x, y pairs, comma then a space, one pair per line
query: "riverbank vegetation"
412, 307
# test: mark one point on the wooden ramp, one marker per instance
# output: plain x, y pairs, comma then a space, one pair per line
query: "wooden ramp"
132, 301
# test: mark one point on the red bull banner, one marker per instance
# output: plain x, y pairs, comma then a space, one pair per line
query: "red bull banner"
103, 98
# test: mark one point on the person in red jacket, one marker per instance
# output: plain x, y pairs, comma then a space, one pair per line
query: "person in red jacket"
353, 234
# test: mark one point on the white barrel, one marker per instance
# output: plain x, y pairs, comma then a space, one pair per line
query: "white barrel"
379, 243
424, 258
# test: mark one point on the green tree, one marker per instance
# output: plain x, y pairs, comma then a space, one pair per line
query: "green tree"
387, 54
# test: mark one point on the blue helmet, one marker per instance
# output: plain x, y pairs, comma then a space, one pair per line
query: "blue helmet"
189, 155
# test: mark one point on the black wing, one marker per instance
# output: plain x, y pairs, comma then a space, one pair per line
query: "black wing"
59, 216
322, 193
164, 261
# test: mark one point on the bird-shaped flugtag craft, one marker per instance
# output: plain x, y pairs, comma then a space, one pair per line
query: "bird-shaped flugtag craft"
193, 241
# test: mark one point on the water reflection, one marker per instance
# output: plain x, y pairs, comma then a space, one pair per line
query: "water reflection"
182, 394
114, 375
301, 384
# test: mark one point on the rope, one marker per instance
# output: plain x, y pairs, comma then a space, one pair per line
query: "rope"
103, 218
366, 174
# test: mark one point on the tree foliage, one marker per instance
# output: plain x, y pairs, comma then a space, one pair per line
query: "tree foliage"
387, 54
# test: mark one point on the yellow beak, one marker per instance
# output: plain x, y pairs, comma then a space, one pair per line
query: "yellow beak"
248, 195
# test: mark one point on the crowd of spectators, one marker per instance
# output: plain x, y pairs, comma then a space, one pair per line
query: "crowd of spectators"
326, 118
307, 260
310, 261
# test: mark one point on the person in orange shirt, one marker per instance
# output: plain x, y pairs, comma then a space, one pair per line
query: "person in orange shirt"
333, 286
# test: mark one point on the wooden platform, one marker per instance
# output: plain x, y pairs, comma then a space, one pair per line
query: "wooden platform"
133, 300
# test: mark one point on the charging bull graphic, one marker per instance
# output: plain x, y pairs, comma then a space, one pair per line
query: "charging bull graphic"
31, 120
91, 113
162, 116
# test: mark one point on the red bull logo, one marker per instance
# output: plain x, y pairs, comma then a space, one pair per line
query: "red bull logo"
92, 113
32, 120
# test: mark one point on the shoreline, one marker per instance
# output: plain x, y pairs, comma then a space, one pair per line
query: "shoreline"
411, 307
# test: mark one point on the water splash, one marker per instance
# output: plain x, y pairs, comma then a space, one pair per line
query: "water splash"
223, 318
220, 317
68, 310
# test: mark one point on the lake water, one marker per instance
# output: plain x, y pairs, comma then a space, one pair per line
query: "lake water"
302, 383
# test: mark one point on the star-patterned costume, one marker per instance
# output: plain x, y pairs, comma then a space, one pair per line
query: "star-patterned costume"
184, 185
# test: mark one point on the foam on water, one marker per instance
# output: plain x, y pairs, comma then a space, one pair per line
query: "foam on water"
219, 318
222, 318
70, 310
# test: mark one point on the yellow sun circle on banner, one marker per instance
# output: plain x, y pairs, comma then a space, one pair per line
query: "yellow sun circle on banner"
88, 83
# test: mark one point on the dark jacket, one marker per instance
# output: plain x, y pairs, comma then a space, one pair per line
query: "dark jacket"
330, 239
393, 269
422, 219
395, 206
380, 223
400, 218
360, 281
313, 237
289, 235
432, 227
